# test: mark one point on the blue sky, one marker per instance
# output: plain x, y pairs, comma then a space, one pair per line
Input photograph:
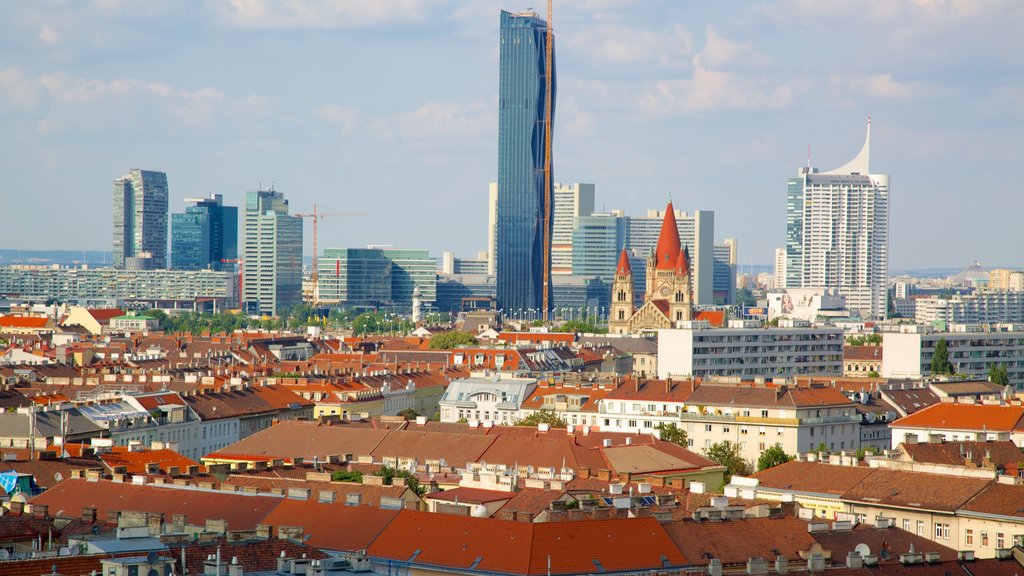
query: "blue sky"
388, 107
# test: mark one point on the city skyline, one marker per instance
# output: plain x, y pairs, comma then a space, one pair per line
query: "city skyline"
711, 88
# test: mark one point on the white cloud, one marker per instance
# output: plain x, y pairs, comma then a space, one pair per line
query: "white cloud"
342, 14
438, 121
347, 117
628, 45
881, 86
719, 51
48, 35
18, 92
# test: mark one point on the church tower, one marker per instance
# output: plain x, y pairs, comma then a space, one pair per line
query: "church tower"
681, 302
622, 296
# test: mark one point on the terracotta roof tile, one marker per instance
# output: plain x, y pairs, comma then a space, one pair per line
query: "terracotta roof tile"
950, 416
915, 490
814, 477
321, 521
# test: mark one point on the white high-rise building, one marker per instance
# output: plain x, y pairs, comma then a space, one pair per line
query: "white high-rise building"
837, 232
779, 280
571, 202
271, 253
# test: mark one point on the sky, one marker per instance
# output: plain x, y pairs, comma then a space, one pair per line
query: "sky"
389, 107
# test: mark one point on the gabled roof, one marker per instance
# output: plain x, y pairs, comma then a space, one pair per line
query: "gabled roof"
976, 417
242, 512
919, 490
714, 317
523, 548
813, 477
336, 527
735, 542
1000, 453
103, 315
667, 249
24, 321
623, 268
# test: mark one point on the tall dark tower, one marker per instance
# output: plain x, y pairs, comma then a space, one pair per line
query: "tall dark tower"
525, 117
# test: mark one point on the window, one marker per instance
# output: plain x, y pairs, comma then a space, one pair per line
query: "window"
920, 527
707, 427
942, 532
906, 525
764, 413
760, 446
969, 537
743, 429
632, 423
984, 539
1000, 540
725, 429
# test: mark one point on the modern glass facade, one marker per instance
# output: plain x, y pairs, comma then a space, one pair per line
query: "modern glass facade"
140, 220
376, 277
596, 242
272, 254
522, 92
204, 235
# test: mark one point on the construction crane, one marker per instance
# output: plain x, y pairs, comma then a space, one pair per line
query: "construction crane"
317, 216
549, 97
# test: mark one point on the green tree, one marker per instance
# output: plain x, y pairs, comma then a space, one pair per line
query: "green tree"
541, 416
390, 474
940, 359
874, 339
672, 433
744, 297
997, 374
347, 476
728, 454
409, 413
451, 339
772, 457
580, 327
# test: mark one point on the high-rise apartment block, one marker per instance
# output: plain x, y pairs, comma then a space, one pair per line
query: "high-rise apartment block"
837, 232
726, 259
271, 253
204, 235
140, 220
523, 91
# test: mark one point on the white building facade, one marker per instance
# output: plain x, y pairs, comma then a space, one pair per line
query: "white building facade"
972, 349
748, 351
837, 233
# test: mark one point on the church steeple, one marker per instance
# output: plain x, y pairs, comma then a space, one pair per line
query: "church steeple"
667, 250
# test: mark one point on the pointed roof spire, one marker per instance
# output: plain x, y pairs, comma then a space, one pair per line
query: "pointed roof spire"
860, 163
667, 250
683, 263
624, 269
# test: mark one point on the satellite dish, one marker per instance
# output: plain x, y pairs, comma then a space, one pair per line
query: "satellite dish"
19, 497
4, 554
58, 477
529, 469
152, 558
95, 530
152, 572
862, 549
64, 551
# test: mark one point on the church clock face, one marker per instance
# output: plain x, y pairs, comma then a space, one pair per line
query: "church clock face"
664, 290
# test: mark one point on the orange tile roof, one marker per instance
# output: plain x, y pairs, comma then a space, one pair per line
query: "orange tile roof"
667, 250
949, 416
242, 512
23, 321
103, 315
713, 317
321, 522
135, 462
504, 547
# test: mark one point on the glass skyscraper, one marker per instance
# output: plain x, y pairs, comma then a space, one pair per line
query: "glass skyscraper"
376, 277
140, 220
204, 235
522, 92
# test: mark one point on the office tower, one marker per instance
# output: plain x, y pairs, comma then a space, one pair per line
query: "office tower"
725, 271
596, 240
571, 201
377, 277
140, 220
204, 235
271, 253
696, 233
523, 139
837, 232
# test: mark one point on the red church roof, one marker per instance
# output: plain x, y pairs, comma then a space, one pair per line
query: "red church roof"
667, 251
624, 269
683, 263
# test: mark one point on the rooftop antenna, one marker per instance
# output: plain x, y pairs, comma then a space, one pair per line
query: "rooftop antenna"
809, 155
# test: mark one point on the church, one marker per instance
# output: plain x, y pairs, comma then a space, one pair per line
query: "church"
668, 297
